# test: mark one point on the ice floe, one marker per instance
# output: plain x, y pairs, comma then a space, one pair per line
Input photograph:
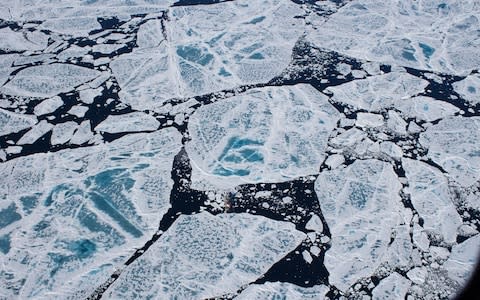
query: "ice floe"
461, 263
204, 256
453, 144
82, 213
393, 287
361, 205
267, 135
132, 122
282, 290
13, 122
437, 35
48, 80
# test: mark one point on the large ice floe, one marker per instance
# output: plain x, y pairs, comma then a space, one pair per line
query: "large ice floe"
203, 256
436, 35
266, 135
361, 205
72, 217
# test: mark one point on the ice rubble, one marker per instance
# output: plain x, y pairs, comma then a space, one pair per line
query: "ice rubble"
204, 256
431, 198
437, 35
453, 144
282, 290
48, 80
266, 135
361, 205
378, 92
82, 213
426, 108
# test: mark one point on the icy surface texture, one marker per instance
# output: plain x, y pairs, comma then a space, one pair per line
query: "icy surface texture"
469, 89
70, 211
453, 144
393, 287
436, 35
431, 198
204, 256
378, 92
48, 80
282, 290
267, 135
361, 206
462, 261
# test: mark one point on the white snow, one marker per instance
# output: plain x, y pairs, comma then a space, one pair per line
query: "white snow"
204, 256
266, 135
131, 122
361, 205
282, 290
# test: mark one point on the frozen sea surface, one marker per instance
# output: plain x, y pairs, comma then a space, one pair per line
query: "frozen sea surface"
215, 149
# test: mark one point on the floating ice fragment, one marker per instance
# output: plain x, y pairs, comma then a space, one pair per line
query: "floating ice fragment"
204, 256
48, 106
35, 133
20, 41
13, 122
63, 132
453, 144
282, 290
361, 205
469, 88
393, 287
426, 108
48, 80
131, 122
461, 263
240, 139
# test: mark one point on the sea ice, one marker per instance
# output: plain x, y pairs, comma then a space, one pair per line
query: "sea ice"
436, 35
282, 290
469, 88
453, 144
378, 92
48, 106
48, 80
461, 263
266, 135
204, 256
426, 108
22, 41
361, 205
131, 122
83, 212
431, 198
35, 133
393, 287
63, 132
12, 122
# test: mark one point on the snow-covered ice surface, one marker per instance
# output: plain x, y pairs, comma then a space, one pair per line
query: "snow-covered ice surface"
268, 149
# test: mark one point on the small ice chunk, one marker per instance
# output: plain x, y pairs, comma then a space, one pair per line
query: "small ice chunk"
20, 41
150, 34
131, 122
48, 106
87, 96
391, 149
396, 123
439, 253
417, 275
395, 286
315, 224
315, 250
335, 160
369, 120
420, 238
78, 110
35, 133
307, 257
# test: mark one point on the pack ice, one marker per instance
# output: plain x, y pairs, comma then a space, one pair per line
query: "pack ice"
267, 135
433, 35
203, 256
70, 218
